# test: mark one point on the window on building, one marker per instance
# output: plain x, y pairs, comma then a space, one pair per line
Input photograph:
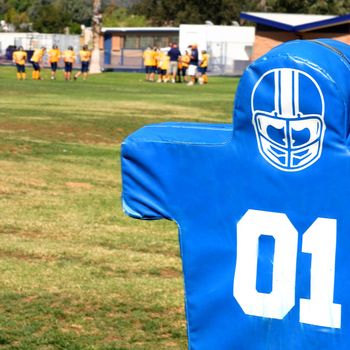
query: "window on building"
132, 42
145, 41
142, 41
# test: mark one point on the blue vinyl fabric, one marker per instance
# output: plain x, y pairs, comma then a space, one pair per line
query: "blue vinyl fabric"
284, 164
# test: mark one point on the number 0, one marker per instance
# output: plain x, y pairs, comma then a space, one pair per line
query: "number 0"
319, 240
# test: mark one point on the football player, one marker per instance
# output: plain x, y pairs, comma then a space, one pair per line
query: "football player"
19, 57
36, 60
54, 56
85, 57
69, 59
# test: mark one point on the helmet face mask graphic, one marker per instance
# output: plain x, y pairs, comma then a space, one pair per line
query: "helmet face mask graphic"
288, 117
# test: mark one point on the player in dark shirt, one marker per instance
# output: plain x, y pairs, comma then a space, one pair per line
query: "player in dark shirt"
174, 55
192, 69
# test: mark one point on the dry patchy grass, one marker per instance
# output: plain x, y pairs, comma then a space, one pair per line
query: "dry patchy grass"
75, 272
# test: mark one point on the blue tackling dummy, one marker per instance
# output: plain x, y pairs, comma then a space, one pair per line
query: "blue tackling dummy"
262, 206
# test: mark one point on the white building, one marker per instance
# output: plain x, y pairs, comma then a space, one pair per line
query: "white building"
230, 47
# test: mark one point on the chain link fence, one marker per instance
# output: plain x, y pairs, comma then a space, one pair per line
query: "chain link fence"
31, 41
228, 58
124, 59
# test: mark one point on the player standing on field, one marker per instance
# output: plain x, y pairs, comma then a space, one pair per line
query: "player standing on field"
19, 58
192, 69
174, 56
69, 59
149, 61
54, 56
163, 66
185, 62
203, 66
85, 57
36, 60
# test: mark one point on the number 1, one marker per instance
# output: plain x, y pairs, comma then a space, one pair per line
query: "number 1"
320, 241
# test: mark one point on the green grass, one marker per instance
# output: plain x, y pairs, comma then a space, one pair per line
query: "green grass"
75, 272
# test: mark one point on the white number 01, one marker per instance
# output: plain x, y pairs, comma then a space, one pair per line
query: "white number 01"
319, 241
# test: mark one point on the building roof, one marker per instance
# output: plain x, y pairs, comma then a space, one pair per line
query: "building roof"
140, 29
295, 22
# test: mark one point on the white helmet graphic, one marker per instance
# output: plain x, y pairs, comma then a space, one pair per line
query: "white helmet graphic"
288, 117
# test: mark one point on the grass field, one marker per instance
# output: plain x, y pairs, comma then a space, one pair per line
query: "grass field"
75, 272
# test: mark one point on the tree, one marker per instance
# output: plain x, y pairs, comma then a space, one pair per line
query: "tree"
18, 5
50, 18
53, 16
175, 12
19, 19
114, 16
323, 7
79, 10
336, 7
95, 66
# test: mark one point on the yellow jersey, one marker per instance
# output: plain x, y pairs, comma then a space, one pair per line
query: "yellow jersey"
19, 57
185, 60
69, 56
204, 61
156, 57
163, 61
149, 58
54, 55
85, 55
37, 55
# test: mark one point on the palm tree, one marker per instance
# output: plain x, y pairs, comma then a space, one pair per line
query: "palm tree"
95, 66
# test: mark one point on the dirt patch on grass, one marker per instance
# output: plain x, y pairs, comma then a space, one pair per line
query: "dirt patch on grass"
167, 272
7, 191
79, 185
15, 149
26, 256
4, 190
76, 328
170, 273
31, 234
30, 298
10, 229
20, 186
38, 183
